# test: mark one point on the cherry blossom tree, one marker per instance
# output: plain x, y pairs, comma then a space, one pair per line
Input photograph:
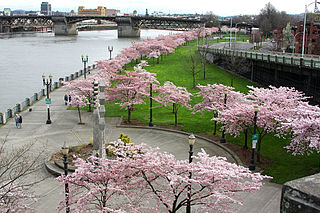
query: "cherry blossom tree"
274, 106
144, 176
177, 96
213, 99
303, 129
131, 89
79, 101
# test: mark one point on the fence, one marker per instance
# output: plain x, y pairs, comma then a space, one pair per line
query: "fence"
268, 57
4, 116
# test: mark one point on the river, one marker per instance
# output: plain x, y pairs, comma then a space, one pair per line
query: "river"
25, 58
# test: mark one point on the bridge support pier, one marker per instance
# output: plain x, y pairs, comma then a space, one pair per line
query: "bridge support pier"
61, 27
127, 28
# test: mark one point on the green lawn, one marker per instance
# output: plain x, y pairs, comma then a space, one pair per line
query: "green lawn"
284, 166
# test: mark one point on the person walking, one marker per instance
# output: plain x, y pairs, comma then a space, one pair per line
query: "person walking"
20, 121
69, 99
16, 118
65, 99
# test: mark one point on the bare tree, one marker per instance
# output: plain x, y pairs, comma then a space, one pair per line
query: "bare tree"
192, 64
17, 164
235, 65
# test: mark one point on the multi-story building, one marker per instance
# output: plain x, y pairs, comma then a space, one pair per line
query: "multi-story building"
100, 11
112, 12
45, 8
312, 38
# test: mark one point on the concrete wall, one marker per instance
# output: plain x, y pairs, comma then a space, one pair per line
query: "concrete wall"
301, 195
61, 27
128, 32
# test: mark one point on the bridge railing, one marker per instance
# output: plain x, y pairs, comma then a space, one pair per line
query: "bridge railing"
312, 62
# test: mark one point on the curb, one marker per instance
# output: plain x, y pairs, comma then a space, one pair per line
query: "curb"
234, 155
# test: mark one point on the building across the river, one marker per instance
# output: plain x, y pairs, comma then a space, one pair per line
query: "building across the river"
45, 8
100, 11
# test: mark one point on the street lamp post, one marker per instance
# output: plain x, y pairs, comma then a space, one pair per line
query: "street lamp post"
230, 33
150, 123
304, 22
192, 140
254, 138
223, 139
65, 151
47, 83
110, 48
84, 61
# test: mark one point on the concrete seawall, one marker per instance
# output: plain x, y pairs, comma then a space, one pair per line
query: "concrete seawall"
4, 116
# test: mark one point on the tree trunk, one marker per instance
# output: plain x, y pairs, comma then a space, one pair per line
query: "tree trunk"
232, 77
129, 114
79, 115
158, 60
175, 118
204, 67
194, 79
153, 61
173, 108
245, 139
258, 149
215, 124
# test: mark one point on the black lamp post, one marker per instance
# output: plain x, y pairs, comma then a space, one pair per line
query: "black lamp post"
84, 61
254, 138
150, 123
110, 48
65, 151
223, 139
192, 140
47, 83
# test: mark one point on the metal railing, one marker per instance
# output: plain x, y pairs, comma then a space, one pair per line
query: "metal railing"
4, 116
312, 62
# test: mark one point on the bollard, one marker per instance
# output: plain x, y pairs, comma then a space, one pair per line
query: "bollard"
66, 78
43, 92
60, 82
81, 72
18, 107
1, 118
9, 113
76, 74
71, 77
55, 85
36, 97
28, 101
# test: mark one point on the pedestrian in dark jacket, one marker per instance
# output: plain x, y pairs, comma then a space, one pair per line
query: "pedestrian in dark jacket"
69, 99
20, 120
16, 118
65, 99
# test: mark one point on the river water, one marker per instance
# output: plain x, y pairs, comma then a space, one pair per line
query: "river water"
24, 58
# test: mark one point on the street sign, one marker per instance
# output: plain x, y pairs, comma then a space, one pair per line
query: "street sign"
48, 101
254, 140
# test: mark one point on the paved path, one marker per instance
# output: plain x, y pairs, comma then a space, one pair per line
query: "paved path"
65, 128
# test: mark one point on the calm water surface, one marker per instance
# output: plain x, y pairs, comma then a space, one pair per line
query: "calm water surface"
25, 57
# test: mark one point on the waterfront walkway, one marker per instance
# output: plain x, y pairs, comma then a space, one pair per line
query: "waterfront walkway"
65, 128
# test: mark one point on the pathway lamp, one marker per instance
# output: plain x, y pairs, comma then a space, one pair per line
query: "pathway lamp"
110, 48
84, 61
192, 140
150, 123
252, 166
223, 138
65, 151
48, 84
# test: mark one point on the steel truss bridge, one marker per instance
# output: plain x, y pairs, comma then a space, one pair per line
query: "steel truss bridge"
8, 23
